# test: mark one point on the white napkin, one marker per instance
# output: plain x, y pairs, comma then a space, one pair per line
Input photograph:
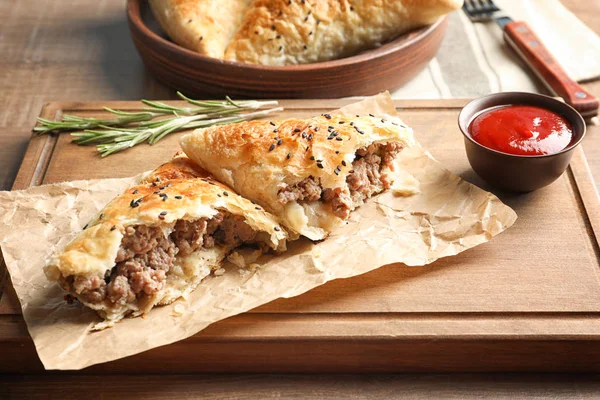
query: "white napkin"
474, 60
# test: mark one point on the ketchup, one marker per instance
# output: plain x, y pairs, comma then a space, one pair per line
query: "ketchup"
521, 130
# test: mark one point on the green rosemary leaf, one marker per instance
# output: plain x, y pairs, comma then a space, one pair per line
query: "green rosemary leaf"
130, 128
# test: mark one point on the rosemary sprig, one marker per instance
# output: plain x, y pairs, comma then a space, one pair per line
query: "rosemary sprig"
131, 128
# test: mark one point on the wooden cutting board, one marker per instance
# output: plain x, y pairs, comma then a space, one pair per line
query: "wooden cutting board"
527, 300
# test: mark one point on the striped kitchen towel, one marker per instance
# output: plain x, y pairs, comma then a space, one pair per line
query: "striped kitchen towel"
473, 59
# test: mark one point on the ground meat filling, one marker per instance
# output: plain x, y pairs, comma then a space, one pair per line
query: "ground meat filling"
147, 254
365, 180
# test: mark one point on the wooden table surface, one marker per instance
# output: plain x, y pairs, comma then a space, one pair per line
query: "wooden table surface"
80, 50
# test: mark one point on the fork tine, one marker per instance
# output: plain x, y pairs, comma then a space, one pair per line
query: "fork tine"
484, 6
469, 8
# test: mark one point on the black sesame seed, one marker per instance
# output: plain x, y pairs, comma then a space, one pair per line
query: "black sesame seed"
157, 180
277, 229
320, 166
135, 203
330, 128
218, 195
312, 158
256, 32
338, 168
211, 183
273, 27
318, 21
341, 122
357, 115
304, 135
225, 194
310, 137
280, 48
339, 139
305, 47
154, 184
275, 130
189, 20
383, 120
85, 227
272, 147
306, 19
178, 197
309, 12
201, 37
371, 115
289, 155
343, 163
359, 130
306, 151
134, 192
101, 216
330, 137
335, 171
257, 208
112, 228
272, 123
297, 130
351, 8
337, 152
316, 129
162, 215
278, 37
279, 142
156, 192
328, 116
352, 123
335, 133
310, 33
164, 196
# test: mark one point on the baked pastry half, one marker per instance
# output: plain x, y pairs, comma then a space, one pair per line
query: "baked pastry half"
158, 240
311, 173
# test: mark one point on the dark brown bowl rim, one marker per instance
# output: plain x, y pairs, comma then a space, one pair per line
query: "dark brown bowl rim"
522, 94
135, 18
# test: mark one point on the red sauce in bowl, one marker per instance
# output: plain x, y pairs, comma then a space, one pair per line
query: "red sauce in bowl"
521, 130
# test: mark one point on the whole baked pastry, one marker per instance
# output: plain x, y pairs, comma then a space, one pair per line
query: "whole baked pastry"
311, 173
284, 32
156, 242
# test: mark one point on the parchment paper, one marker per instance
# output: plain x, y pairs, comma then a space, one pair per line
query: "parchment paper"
448, 216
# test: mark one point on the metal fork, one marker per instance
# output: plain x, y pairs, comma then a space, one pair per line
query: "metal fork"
530, 49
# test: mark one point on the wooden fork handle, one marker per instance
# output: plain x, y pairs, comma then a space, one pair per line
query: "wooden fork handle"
529, 47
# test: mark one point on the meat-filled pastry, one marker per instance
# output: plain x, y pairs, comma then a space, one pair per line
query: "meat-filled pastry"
158, 240
311, 173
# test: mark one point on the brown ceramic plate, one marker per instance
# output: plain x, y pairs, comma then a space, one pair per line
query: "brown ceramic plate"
384, 68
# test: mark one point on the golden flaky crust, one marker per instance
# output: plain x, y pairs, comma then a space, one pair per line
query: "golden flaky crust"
260, 158
178, 190
283, 32
204, 26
